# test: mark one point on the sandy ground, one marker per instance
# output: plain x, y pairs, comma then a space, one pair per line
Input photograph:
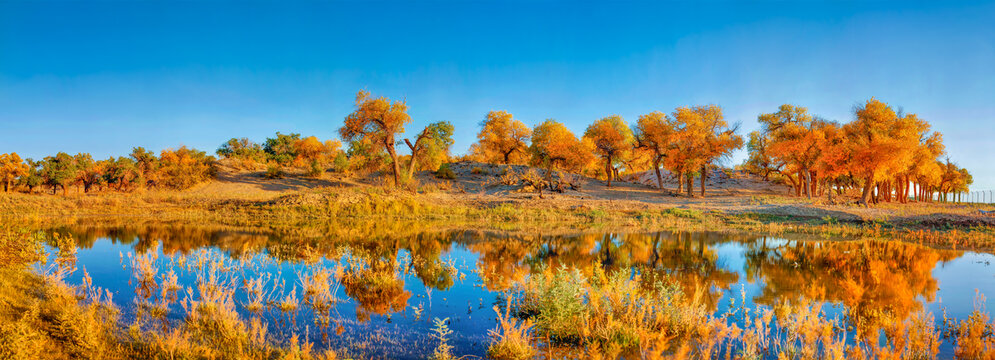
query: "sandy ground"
480, 185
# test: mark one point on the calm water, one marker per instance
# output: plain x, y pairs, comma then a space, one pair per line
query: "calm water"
405, 281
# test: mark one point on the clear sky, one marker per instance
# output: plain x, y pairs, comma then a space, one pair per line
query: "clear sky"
102, 77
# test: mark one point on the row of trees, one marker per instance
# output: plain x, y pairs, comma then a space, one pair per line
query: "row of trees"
887, 154
286, 150
177, 169
884, 153
371, 131
686, 142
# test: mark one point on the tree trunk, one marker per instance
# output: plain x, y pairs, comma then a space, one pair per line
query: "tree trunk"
829, 191
680, 182
689, 177
608, 170
808, 184
414, 157
794, 184
393, 159
703, 172
865, 198
659, 177
6, 185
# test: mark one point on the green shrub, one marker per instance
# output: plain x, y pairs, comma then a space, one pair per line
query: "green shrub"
315, 170
274, 171
445, 172
685, 213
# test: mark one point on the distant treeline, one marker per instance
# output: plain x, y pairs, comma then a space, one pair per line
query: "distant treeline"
883, 153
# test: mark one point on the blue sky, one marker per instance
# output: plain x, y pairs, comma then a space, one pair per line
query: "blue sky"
102, 77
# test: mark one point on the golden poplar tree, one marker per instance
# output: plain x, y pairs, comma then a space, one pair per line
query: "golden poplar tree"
11, 168
556, 147
502, 139
612, 139
881, 144
378, 120
655, 135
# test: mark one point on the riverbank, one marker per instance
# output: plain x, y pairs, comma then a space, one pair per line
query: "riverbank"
245, 199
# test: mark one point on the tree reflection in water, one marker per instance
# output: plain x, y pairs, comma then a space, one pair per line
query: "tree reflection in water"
878, 283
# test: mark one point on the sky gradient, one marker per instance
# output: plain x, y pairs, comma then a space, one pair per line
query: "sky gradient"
103, 77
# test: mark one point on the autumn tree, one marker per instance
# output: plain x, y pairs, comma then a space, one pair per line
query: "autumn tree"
701, 137
316, 154
145, 163
556, 147
881, 143
122, 171
431, 147
655, 134
954, 180
185, 167
612, 138
759, 160
378, 120
792, 137
502, 139
32, 178
59, 171
833, 162
88, 171
11, 168
925, 150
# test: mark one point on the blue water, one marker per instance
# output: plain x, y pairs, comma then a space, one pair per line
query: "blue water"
467, 303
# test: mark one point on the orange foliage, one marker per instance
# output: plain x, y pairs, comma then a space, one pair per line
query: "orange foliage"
11, 167
702, 136
378, 120
556, 147
654, 135
502, 139
881, 142
612, 139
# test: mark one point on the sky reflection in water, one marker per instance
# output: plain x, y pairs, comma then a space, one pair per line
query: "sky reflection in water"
399, 283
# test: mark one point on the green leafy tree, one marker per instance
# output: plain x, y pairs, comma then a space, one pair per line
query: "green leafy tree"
242, 149
59, 171
431, 147
32, 178
146, 164
88, 172
281, 149
121, 171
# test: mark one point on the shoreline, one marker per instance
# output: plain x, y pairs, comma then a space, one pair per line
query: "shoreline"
939, 225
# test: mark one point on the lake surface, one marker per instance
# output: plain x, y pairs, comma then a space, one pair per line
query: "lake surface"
389, 285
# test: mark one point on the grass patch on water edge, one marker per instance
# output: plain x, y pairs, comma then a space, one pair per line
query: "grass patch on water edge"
375, 204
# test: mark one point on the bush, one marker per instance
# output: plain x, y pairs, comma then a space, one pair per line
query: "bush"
20, 248
445, 172
478, 171
341, 163
274, 171
315, 170
184, 167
